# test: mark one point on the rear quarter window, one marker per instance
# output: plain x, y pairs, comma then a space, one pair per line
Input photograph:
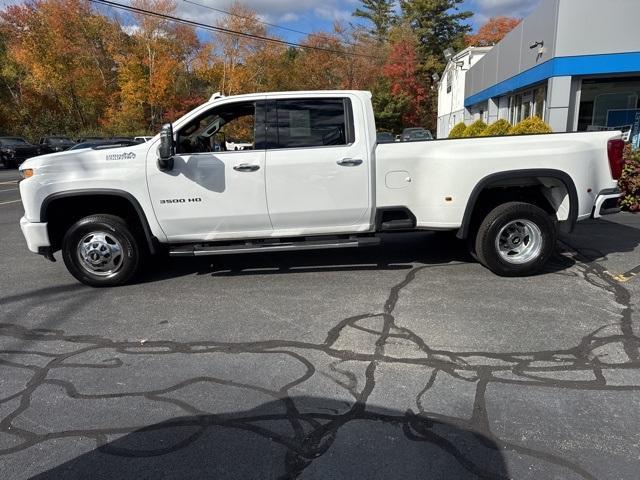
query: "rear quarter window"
311, 123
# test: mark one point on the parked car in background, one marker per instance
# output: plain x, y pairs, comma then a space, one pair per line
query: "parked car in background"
15, 150
417, 134
104, 143
385, 137
90, 139
55, 143
141, 139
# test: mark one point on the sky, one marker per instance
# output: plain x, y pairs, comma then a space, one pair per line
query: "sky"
319, 15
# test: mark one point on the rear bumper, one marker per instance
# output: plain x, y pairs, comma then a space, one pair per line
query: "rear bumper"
36, 235
606, 203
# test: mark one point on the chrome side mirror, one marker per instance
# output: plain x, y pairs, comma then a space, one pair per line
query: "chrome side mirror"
167, 148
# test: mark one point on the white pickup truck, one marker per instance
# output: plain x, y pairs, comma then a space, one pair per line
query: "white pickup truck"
309, 176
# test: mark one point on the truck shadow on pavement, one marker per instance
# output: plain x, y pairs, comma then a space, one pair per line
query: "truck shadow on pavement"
594, 240
597, 239
397, 252
290, 438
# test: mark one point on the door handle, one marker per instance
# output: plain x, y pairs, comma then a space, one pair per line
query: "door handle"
246, 167
349, 162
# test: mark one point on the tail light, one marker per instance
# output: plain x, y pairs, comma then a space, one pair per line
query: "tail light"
615, 149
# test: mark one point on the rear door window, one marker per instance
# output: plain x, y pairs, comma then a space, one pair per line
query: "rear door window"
307, 123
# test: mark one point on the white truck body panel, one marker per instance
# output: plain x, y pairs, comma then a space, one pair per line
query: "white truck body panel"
422, 175
300, 192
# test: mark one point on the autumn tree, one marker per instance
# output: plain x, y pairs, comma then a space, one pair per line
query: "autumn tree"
238, 54
61, 71
389, 108
66, 67
380, 14
402, 69
494, 30
152, 66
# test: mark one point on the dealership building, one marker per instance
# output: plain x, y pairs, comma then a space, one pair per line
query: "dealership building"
573, 63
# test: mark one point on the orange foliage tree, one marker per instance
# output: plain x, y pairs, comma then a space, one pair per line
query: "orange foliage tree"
67, 67
402, 70
493, 31
152, 65
58, 56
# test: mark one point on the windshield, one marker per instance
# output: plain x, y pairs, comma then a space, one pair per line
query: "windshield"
385, 137
419, 134
12, 141
59, 140
78, 146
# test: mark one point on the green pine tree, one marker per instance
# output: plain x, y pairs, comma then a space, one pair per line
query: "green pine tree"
380, 14
438, 25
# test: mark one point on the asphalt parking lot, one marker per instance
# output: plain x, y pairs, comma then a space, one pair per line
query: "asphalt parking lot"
406, 360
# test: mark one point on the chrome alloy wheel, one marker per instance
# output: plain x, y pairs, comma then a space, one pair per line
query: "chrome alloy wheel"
519, 242
100, 253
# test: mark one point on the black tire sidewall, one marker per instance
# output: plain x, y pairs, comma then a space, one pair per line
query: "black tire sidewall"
107, 223
493, 224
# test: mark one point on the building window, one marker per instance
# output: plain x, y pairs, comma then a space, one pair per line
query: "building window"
539, 101
527, 104
449, 81
515, 114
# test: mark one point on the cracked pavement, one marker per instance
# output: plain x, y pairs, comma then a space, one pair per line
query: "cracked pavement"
401, 361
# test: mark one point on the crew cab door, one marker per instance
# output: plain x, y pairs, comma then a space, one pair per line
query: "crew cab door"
318, 166
216, 189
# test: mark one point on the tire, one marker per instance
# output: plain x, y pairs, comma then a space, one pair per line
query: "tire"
101, 251
516, 239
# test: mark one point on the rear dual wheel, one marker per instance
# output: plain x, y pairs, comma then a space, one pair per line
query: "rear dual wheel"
516, 239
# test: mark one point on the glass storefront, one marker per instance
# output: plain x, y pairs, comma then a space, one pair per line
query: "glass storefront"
600, 97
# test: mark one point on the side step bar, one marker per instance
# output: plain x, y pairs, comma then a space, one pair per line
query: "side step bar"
255, 247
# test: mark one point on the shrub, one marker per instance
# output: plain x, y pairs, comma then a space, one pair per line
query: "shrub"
530, 126
475, 129
630, 181
458, 130
497, 129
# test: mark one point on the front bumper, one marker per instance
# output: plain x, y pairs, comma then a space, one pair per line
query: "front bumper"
606, 203
36, 235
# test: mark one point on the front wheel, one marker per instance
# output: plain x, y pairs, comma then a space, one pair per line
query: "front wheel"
516, 239
101, 251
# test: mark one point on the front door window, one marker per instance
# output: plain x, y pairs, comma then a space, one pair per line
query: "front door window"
226, 128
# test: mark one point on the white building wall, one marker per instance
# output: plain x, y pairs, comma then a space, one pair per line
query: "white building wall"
451, 100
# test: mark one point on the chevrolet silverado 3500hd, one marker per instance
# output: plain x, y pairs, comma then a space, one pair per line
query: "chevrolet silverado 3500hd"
309, 176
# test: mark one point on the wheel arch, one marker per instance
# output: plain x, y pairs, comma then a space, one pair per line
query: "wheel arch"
495, 180
50, 205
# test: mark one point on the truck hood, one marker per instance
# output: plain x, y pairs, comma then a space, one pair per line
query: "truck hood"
87, 159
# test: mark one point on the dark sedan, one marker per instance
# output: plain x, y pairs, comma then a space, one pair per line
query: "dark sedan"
385, 137
416, 134
55, 143
15, 150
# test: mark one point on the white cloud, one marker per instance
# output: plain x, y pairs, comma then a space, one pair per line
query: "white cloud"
289, 17
273, 11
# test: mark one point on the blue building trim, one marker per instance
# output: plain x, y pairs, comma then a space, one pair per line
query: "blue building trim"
614, 63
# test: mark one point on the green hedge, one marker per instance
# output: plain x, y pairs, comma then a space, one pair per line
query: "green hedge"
531, 125
497, 129
475, 129
528, 126
458, 131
